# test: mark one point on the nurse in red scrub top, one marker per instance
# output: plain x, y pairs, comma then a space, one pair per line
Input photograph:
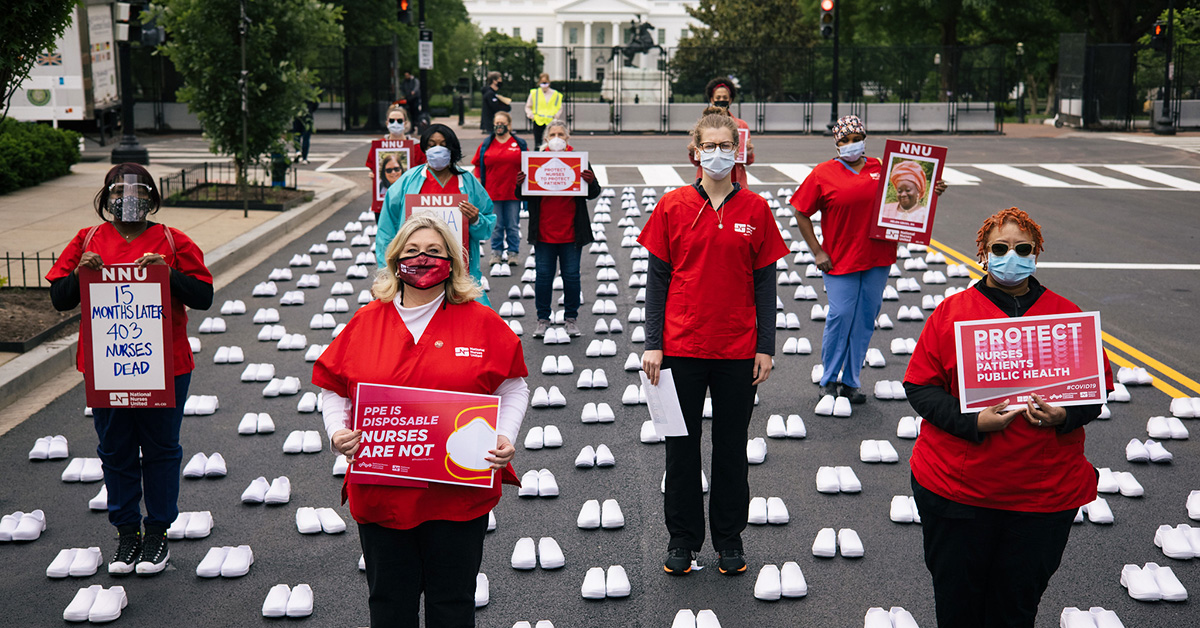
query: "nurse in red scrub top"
426, 540
710, 308
127, 199
855, 266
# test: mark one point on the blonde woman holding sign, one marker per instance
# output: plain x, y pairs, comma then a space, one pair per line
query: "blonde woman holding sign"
127, 199
424, 540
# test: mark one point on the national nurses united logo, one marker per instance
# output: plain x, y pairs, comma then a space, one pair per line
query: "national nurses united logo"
468, 352
744, 229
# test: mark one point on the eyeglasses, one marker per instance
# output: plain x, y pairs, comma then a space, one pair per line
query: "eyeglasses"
119, 188
1000, 249
708, 147
393, 170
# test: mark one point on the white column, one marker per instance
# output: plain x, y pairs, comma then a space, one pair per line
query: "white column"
585, 58
560, 35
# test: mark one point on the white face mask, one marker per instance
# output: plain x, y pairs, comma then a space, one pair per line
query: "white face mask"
396, 128
438, 157
852, 152
543, 85
556, 144
717, 164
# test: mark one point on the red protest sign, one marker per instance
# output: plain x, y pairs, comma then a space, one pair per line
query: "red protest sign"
1057, 356
125, 334
554, 173
743, 146
905, 203
387, 160
445, 207
425, 435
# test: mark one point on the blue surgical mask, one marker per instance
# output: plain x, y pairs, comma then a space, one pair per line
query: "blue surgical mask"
438, 157
718, 163
852, 152
1010, 269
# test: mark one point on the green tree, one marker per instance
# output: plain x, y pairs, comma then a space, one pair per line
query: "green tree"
283, 42
518, 61
28, 27
1150, 62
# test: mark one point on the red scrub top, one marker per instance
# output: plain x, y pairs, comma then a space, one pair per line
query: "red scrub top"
503, 161
556, 222
377, 348
431, 185
847, 204
1022, 467
710, 311
112, 249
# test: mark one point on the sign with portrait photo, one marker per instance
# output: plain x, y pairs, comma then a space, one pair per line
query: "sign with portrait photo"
388, 160
554, 173
905, 202
445, 207
127, 320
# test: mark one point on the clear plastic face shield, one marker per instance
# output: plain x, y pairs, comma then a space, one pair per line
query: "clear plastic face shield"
129, 199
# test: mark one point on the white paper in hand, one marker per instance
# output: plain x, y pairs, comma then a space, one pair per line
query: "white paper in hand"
663, 402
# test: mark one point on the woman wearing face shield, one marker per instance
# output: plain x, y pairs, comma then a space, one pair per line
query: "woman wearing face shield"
721, 94
440, 174
127, 199
997, 490
855, 266
710, 308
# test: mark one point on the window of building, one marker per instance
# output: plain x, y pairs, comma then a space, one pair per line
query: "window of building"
684, 34
494, 30
517, 32
662, 37
600, 75
627, 35
541, 35
601, 36
574, 68
572, 35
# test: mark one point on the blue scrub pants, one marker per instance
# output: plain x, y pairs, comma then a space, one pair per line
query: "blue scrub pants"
508, 224
854, 302
156, 475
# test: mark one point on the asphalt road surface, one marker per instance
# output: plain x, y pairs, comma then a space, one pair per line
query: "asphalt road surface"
1124, 219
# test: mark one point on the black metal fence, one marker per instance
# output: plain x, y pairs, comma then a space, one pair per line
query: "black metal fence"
220, 181
27, 270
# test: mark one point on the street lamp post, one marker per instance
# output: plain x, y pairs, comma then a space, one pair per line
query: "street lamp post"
1165, 123
1021, 82
129, 150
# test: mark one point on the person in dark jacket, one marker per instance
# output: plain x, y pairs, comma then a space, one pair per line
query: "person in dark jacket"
559, 227
493, 101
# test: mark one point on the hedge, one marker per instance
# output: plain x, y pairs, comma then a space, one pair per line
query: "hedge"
31, 153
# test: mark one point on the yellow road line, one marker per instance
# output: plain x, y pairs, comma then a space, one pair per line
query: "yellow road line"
1113, 343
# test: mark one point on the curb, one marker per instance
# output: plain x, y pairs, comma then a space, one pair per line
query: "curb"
28, 371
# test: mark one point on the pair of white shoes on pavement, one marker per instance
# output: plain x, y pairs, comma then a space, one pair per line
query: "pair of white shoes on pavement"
837, 480
904, 510
285, 601
878, 451
201, 405
1094, 617
687, 619
226, 562
75, 562
596, 515
1097, 512
229, 355
597, 413
1150, 451
552, 398
1186, 407
598, 584
1135, 376
756, 450
1151, 583
793, 427
591, 379
49, 448
601, 456
897, 617
277, 491
233, 307
538, 484
256, 423
1181, 542
890, 390
538, 437
1166, 428
313, 520
191, 525
774, 582
97, 604
544, 623
833, 406
770, 510
827, 544
797, 346
548, 555
307, 441
83, 470
202, 466
908, 427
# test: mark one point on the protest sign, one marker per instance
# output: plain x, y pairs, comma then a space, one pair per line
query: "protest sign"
743, 146
554, 173
905, 202
445, 207
1057, 356
421, 434
126, 319
388, 160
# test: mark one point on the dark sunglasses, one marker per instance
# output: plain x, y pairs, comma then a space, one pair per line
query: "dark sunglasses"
1000, 249
395, 119
392, 170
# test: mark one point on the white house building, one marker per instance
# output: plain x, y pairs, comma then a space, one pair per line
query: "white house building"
556, 25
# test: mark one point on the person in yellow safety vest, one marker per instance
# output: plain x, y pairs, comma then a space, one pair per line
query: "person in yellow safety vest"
543, 107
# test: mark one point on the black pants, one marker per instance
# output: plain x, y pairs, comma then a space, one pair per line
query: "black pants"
989, 567
539, 130
437, 558
729, 500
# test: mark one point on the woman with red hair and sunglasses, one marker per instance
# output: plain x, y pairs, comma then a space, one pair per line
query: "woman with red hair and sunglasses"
139, 447
997, 490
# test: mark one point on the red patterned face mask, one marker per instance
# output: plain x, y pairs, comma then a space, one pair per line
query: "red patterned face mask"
422, 270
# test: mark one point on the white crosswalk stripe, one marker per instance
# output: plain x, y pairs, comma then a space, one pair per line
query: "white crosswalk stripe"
1163, 178
1190, 144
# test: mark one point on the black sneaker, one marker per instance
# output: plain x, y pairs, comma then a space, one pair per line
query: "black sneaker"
855, 395
129, 547
679, 561
830, 389
731, 562
154, 554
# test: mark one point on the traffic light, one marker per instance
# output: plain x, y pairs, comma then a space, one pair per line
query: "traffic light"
402, 12
826, 19
1158, 36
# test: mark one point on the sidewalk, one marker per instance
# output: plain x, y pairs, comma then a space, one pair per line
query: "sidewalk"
44, 218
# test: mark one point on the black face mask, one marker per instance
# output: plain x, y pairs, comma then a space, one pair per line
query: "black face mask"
501, 129
499, 84
724, 104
